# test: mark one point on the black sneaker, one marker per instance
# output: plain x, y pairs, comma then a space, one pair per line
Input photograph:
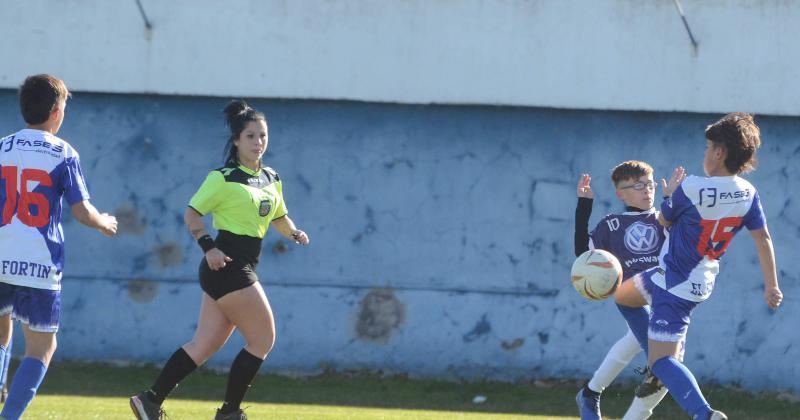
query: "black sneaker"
236, 415
649, 386
144, 409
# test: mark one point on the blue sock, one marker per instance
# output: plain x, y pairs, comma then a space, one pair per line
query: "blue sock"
5, 357
638, 321
683, 387
27, 379
3, 352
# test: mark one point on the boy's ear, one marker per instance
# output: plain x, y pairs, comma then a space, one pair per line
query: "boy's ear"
619, 193
720, 152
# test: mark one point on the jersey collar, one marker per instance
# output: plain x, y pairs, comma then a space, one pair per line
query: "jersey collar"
248, 170
633, 211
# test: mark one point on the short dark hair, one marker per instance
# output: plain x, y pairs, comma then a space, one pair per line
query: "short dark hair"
39, 95
630, 170
738, 133
237, 115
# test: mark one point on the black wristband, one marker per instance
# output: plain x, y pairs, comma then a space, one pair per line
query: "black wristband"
206, 242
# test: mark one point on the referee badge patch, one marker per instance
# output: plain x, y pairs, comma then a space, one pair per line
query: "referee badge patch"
264, 208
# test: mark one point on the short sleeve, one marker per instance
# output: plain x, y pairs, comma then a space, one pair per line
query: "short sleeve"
208, 196
281, 211
72, 183
754, 219
675, 205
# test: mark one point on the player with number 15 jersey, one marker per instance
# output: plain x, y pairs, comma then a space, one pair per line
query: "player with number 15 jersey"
707, 213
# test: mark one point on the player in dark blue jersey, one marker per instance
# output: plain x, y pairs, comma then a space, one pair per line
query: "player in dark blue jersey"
704, 214
635, 238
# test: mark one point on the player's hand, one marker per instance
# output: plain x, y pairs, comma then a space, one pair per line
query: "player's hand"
584, 187
216, 259
773, 296
300, 237
109, 225
669, 187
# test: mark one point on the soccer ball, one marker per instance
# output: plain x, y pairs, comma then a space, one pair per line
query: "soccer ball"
596, 274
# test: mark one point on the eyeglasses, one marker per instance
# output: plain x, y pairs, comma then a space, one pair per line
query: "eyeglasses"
650, 185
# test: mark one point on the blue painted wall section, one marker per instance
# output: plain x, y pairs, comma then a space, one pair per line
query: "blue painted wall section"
441, 237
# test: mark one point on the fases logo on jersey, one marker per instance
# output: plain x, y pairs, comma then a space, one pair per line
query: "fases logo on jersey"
641, 238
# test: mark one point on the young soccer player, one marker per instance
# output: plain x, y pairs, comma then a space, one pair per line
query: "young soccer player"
37, 169
635, 238
245, 198
704, 214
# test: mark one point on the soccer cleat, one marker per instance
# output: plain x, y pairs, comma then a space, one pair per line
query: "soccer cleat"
589, 406
3, 395
649, 386
144, 409
236, 415
718, 415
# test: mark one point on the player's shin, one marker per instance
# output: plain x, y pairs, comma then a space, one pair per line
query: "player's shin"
26, 381
243, 370
683, 386
641, 408
619, 356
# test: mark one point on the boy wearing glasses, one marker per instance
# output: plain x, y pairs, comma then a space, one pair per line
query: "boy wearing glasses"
635, 238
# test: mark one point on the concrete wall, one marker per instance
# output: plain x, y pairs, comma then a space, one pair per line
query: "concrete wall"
590, 54
441, 237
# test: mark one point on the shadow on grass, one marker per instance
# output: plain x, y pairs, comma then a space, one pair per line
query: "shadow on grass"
362, 389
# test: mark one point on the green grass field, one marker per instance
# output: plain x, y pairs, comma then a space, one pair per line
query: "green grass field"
79, 391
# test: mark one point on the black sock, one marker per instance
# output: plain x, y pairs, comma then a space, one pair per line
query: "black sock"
588, 393
179, 366
243, 371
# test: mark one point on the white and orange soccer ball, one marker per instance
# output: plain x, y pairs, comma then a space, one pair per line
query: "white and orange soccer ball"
596, 274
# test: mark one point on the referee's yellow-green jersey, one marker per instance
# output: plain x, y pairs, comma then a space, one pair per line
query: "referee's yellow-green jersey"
241, 201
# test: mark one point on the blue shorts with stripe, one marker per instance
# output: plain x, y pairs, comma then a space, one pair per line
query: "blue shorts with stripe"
40, 309
671, 315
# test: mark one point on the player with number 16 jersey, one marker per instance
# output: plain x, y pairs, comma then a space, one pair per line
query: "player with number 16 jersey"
36, 169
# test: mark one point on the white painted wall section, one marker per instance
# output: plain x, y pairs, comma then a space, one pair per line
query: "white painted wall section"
585, 54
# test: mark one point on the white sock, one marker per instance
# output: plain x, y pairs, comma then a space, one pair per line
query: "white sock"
620, 354
642, 408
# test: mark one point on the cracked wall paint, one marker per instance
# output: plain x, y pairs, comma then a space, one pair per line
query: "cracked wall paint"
464, 213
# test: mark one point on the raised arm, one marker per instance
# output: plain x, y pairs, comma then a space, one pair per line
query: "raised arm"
582, 213
766, 257
87, 214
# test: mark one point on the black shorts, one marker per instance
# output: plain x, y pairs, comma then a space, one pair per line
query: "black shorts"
228, 279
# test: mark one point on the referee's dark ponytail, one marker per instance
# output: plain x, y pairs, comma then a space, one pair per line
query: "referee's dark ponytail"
237, 115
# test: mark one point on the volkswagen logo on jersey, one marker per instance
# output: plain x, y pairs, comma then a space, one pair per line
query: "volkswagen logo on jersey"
264, 208
641, 238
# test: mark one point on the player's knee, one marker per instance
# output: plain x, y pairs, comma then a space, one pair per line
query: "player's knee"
43, 347
202, 350
261, 345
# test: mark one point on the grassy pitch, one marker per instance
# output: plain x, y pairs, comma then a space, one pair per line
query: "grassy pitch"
79, 391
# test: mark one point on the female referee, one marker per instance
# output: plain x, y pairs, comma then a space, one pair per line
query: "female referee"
244, 198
